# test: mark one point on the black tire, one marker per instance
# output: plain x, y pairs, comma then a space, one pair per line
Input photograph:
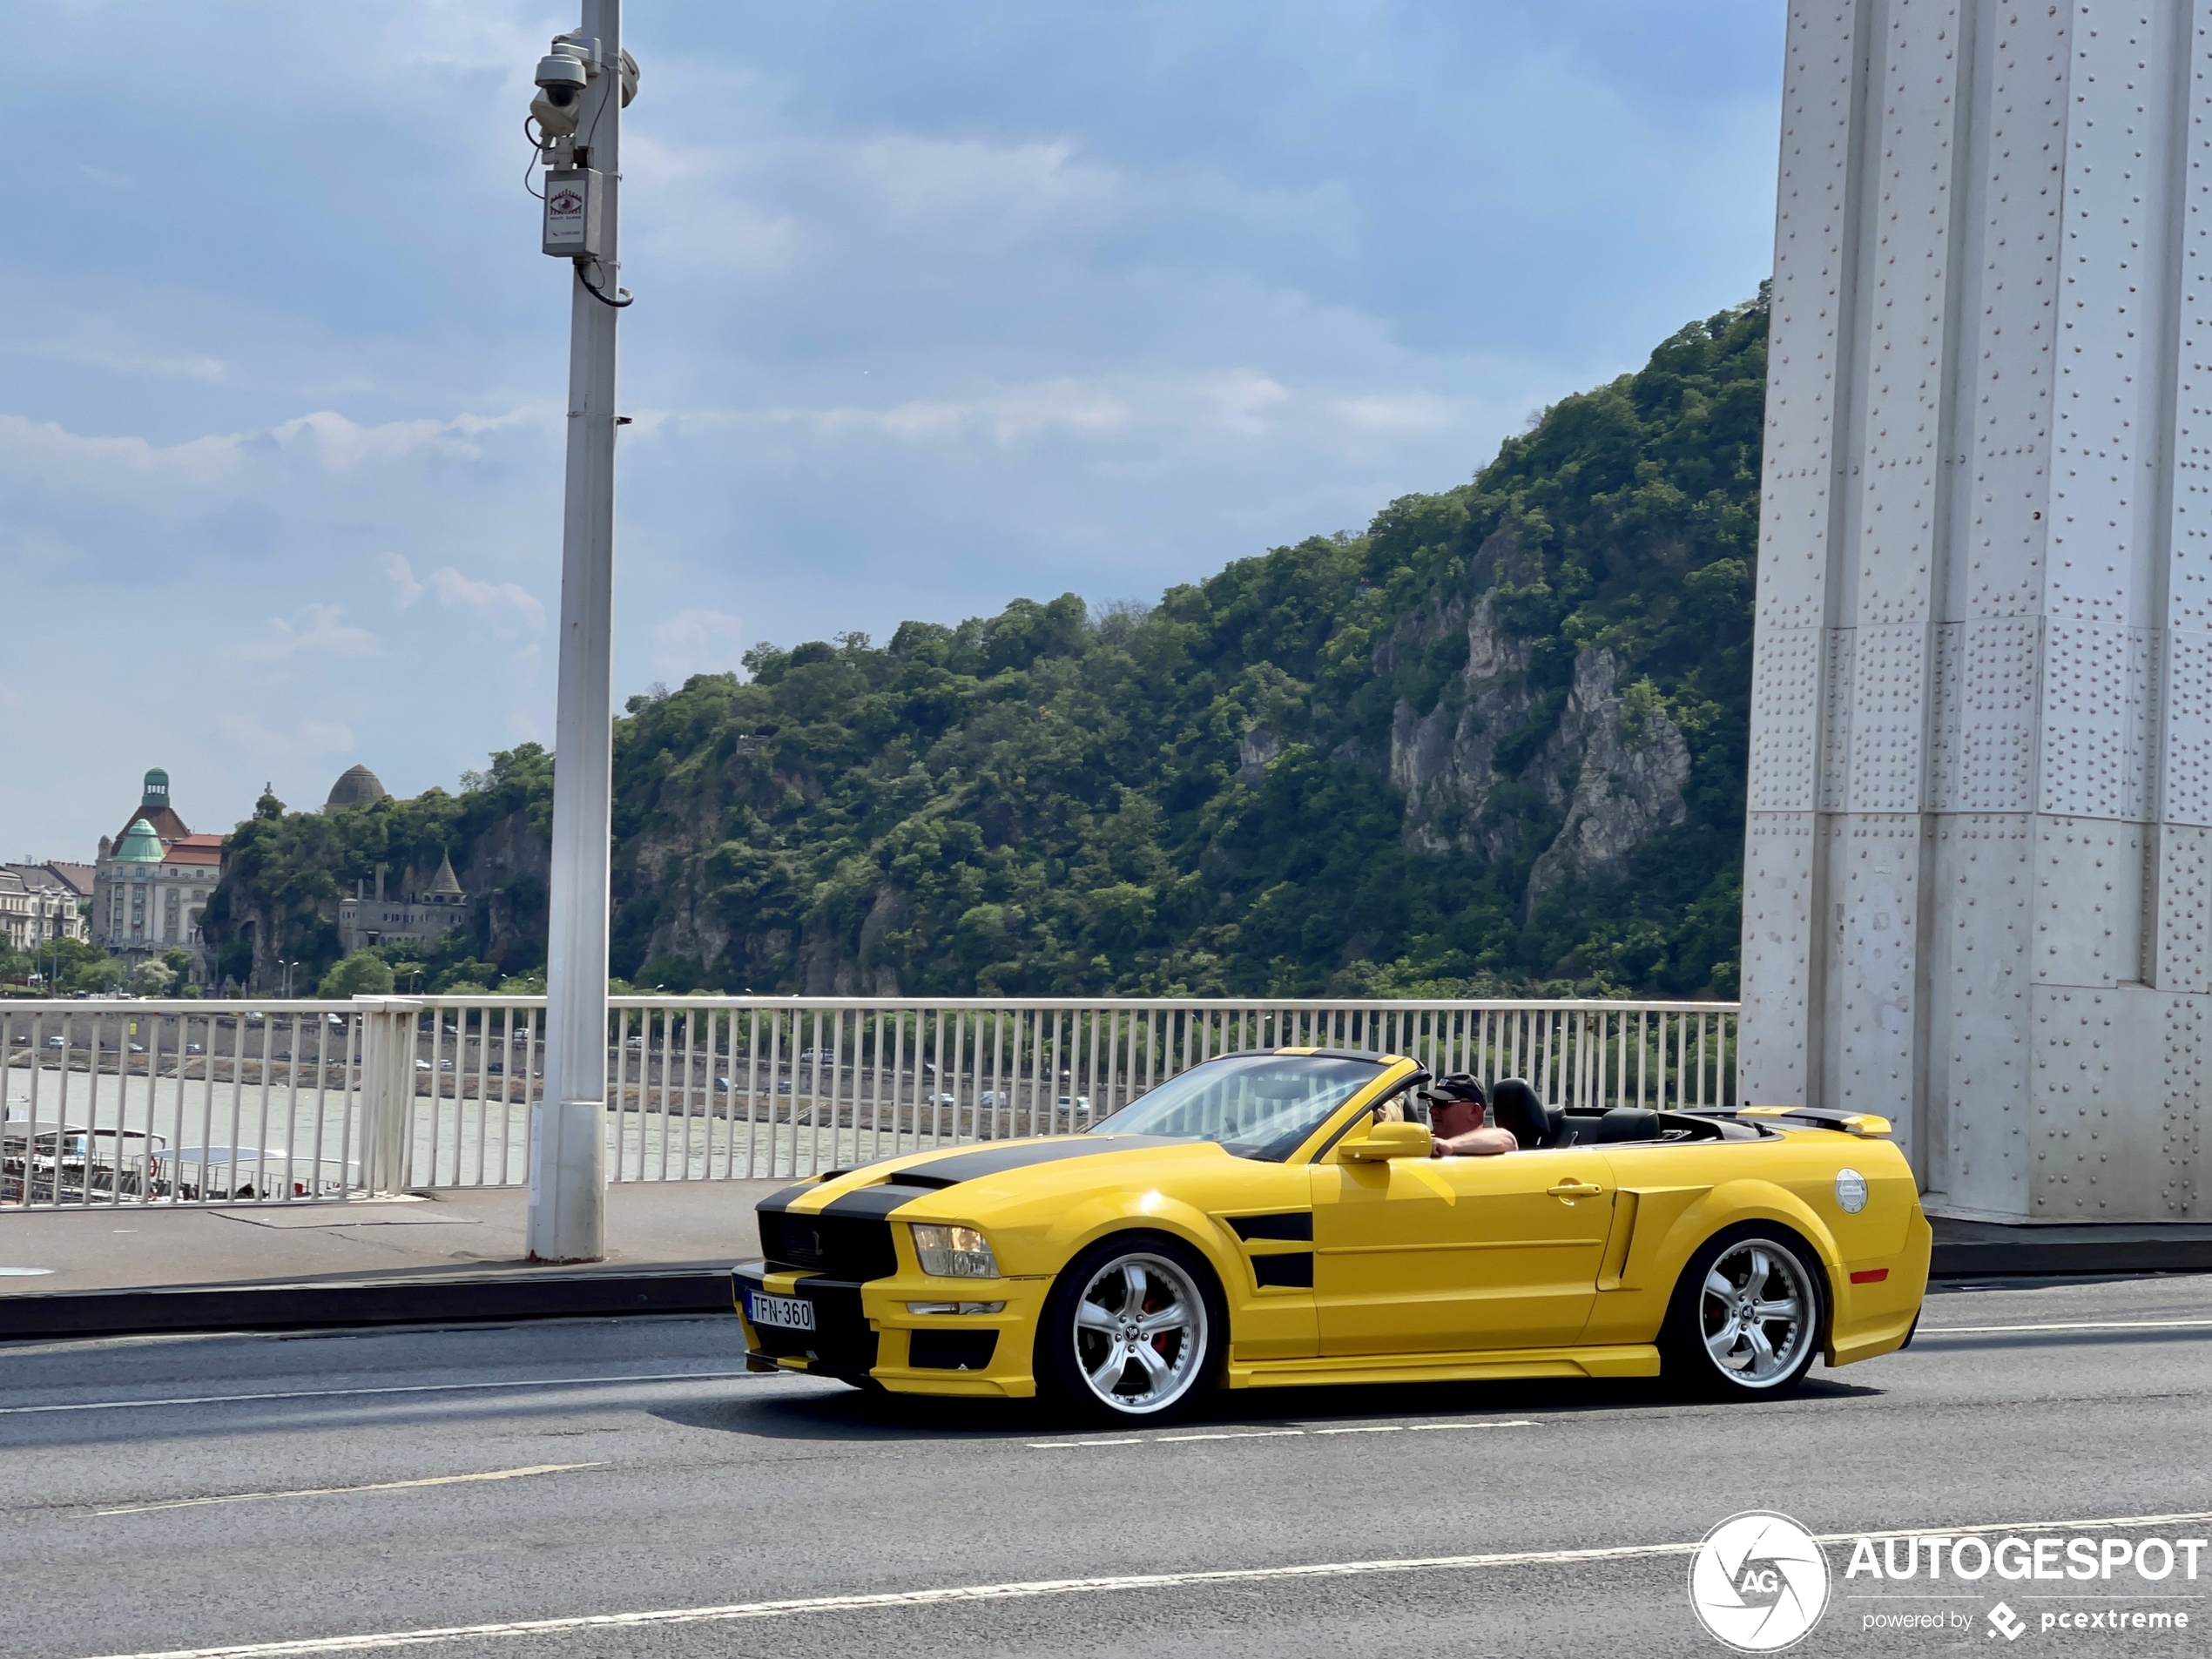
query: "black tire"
1074, 1352
1716, 1346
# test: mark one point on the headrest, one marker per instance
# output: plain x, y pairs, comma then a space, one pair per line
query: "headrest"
1516, 1107
1629, 1123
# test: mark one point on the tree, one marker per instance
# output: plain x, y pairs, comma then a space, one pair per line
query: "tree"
152, 977
364, 972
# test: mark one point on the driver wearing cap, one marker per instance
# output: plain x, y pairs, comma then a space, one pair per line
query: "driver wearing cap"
1455, 1116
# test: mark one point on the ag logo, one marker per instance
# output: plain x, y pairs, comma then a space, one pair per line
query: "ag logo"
2003, 1621
1758, 1582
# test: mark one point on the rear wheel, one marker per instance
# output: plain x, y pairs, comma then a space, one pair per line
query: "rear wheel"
1133, 1330
1746, 1319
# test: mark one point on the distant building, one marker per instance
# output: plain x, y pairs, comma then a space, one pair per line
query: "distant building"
404, 919
40, 903
356, 786
152, 882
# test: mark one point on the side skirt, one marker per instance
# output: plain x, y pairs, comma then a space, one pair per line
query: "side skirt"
1495, 1365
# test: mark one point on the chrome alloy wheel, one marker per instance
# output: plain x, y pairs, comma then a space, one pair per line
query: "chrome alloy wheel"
1140, 1333
1755, 1311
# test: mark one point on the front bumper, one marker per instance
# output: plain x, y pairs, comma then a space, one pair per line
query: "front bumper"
863, 1332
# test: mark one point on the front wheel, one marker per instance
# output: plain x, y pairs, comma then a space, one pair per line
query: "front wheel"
1132, 1331
1745, 1321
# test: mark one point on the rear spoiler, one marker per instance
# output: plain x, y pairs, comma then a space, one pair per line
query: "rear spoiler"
1832, 1117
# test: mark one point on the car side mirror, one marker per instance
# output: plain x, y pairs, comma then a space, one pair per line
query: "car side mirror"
1387, 1141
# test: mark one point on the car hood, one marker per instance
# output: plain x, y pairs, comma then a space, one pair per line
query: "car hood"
972, 1177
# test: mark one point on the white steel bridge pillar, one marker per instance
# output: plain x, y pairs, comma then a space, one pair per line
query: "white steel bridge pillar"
1978, 880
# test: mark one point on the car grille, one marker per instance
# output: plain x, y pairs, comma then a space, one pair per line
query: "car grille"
857, 1248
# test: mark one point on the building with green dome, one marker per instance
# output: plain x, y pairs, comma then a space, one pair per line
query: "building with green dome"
152, 881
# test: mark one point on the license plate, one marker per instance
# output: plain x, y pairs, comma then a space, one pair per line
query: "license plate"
787, 1312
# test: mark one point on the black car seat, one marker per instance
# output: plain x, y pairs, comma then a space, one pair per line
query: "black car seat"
1513, 1105
1629, 1123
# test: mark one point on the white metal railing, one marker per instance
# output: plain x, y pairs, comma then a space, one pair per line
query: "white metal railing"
127, 1103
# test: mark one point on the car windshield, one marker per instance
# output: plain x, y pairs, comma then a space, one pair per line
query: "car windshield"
1254, 1105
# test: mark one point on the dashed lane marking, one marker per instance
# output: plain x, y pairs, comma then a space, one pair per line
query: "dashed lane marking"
971, 1594
1274, 1433
397, 1388
332, 1491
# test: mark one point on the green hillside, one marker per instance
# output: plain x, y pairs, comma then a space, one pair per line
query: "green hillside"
1496, 741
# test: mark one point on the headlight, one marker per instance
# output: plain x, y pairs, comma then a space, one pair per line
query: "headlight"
954, 1252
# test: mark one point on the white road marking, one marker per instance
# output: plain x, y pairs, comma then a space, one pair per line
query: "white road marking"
1059, 1446
1275, 1434
329, 1492
953, 1595
404, 1388
2084, 1324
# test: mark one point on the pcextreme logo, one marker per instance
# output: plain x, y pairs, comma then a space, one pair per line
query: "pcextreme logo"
1758, 1582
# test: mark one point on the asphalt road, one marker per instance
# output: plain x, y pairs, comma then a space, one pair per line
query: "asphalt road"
171, 1494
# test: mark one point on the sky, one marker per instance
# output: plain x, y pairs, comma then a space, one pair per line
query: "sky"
937, 305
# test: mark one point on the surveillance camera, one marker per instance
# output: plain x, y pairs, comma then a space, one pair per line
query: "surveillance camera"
561, 83
562, 76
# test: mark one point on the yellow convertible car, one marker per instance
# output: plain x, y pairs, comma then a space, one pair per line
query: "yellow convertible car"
1269, 1219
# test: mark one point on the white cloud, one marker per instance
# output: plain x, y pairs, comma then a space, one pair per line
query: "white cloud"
1005, 417
123, 361
495, 598
317, 634
501, 601
697, 642
402, 573
1397, 411
306, 740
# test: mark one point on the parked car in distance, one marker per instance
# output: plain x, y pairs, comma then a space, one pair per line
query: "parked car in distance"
193, 1048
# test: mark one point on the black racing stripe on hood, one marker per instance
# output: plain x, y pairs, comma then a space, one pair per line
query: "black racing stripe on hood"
878, 1201
784, 1197
957, 1167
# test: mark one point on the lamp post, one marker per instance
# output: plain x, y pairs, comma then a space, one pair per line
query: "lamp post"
584, 83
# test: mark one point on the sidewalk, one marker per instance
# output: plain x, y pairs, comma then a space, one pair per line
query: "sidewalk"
454, 1254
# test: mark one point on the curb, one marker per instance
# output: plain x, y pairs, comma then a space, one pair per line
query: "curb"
569, 1295
266, 1307
2029, 1258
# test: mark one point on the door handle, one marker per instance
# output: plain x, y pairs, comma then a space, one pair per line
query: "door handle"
1576, 1189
